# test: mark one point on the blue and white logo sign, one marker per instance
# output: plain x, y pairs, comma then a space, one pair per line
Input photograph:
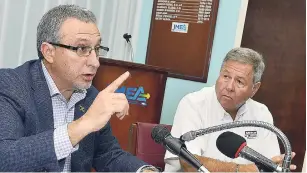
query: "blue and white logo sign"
180, 27
135, 95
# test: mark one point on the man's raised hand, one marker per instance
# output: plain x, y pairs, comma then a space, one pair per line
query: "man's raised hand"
108, 103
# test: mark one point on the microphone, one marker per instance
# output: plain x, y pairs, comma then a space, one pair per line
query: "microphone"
127, 37
161, 135
233, 146
191, 135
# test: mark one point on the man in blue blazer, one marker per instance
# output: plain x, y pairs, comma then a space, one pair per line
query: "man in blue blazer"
51, 117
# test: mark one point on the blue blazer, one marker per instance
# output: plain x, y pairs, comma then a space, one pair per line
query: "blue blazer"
26, 129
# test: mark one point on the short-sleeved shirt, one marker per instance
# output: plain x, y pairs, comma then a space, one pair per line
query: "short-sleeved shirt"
201, 109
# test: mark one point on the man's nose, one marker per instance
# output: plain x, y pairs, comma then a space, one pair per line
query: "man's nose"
230, 86
93, 60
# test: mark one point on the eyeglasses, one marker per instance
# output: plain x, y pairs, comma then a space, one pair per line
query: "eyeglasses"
84, 51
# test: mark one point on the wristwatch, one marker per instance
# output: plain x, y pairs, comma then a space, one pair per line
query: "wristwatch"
237, 168
149, 168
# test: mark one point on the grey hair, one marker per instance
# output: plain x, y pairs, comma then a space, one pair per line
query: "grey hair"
247, 56
50, 24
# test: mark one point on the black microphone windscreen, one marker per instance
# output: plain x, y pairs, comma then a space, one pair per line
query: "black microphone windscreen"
229, 143
126, 36
159, 132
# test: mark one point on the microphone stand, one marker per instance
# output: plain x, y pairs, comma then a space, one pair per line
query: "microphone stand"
177, 146
287, 146
203, 169
127, 37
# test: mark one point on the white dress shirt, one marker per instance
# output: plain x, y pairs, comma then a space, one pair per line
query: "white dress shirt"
201, 110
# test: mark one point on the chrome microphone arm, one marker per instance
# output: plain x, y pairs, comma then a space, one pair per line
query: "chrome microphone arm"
287, 146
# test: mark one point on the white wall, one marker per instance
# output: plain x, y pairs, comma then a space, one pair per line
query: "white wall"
19, 19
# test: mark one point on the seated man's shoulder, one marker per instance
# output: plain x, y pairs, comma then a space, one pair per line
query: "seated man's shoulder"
257, 105
261, 110
199, 96
15, 79
9, 76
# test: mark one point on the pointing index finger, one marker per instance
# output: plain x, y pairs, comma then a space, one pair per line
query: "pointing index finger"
117, 82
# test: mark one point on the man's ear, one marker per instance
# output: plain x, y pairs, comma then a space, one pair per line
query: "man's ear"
48, 51
255, 88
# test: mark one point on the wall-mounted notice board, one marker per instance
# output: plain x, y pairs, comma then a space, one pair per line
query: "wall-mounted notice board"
181, 37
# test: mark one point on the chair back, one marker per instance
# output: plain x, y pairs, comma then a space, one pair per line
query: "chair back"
144, 147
